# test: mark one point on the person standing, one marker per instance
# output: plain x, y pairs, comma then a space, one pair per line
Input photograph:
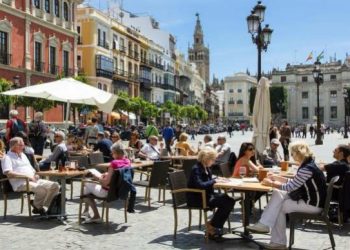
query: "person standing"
37, 133
151, 130
312, 130
91, 132
286, 133
14, 125
168, 135
229, 130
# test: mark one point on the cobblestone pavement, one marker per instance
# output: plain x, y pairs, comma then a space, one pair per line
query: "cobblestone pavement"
149, 228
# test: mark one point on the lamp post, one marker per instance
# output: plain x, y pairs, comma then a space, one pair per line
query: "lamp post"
318, 77
346, 100
261, 37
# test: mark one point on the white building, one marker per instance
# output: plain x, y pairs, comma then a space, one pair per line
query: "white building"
302, 89
221, 101
236, 96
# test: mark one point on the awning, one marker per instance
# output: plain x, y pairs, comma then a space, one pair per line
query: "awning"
131, 115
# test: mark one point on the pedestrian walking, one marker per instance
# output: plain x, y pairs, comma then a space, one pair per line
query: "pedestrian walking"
37, 133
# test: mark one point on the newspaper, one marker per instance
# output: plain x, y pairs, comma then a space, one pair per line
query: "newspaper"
95, 173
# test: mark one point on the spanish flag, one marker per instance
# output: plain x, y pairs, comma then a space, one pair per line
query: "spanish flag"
320, 56
309, 57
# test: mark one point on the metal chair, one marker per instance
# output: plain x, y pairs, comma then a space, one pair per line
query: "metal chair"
157, 179
323, 216
7, 191
187, 167
96, 158
178, 187
83, 161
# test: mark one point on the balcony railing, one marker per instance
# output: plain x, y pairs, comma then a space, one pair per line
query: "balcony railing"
133, 77
122, 48
39, 66
5, 58
67, 72
157, 65
231, 102
145, 83
120, 72
53, 69
103, 44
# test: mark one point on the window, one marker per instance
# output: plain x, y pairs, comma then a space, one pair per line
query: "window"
305, 112
104, 66
104, 39
47, 6
66, 63
333, 94
333, 77
52, 66
65, 11
104, 87
334, 112
99, 85
239, 102
37, 57
304, 79
37, 4
115, 41
4, 55
283, 78
79, 37
239, 90
231, 90
121, 46
305, 95
57, 8
98, 37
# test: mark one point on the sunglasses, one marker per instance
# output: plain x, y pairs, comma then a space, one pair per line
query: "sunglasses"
250, 149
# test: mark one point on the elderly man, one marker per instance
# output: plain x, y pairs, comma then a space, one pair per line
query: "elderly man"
271, 156
14, 125
223, 149
150, 150
16, 164
208, 141
58, 154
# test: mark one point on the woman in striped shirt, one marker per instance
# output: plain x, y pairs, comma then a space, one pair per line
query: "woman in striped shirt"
306, 192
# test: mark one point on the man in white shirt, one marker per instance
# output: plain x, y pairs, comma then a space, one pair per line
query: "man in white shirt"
223, 149
16, 164
150, 150
208, 141
57, 154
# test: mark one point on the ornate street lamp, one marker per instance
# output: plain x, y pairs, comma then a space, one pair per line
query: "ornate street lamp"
318, 77
261, 37
346, 105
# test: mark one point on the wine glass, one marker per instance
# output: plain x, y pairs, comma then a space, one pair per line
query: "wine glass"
242, 171
53, 165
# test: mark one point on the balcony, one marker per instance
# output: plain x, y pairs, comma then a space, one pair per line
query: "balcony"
122, 49
145, 83
136, 56
231, 102
133, 77
157, 65
103, 44
120, 72
235, 114
104, 73
53, 69
5, 58
39, 66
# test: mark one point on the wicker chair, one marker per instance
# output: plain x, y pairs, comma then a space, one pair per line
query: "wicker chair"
323, 216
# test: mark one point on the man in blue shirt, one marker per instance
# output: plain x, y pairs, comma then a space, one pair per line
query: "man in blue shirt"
104, 146
168, 135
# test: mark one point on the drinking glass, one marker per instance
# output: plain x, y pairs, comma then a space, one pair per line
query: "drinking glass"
242, 171
67, 165
53, 165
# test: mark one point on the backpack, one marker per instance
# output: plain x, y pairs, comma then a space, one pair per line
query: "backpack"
17, 126
35, 129
55, 206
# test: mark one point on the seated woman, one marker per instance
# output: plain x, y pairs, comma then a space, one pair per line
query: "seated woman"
201, 178
71, 143
246, 158
306, 192
101, 190
184, 146
135, 143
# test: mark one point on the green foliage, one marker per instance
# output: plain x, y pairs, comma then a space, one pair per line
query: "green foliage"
5, 86
278, 99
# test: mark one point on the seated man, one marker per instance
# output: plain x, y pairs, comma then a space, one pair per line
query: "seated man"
339, 167
223, 149
271, 156
104, 146
208, 141
150, 150
58, 153
16, 164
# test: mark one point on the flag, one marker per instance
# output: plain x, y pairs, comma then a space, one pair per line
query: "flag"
320, 56
309, 57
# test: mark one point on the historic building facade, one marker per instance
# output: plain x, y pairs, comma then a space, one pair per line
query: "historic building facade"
236, 97
302, 98
37, 43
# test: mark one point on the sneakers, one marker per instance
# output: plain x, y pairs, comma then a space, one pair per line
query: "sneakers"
272, 245
36, 210
92, 220
259, 228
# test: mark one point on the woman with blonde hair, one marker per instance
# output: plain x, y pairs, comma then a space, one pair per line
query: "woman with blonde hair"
183, 146
201, 178
305, 193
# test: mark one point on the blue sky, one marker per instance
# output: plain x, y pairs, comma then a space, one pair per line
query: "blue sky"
300, 26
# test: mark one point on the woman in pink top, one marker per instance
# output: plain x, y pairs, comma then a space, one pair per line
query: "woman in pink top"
101, 190
246, 159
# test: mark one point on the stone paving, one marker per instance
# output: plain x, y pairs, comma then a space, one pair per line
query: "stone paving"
150, 228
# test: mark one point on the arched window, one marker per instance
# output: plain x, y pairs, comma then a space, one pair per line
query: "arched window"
65, 11
37, 4
99, 85
57, 8
104, 87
